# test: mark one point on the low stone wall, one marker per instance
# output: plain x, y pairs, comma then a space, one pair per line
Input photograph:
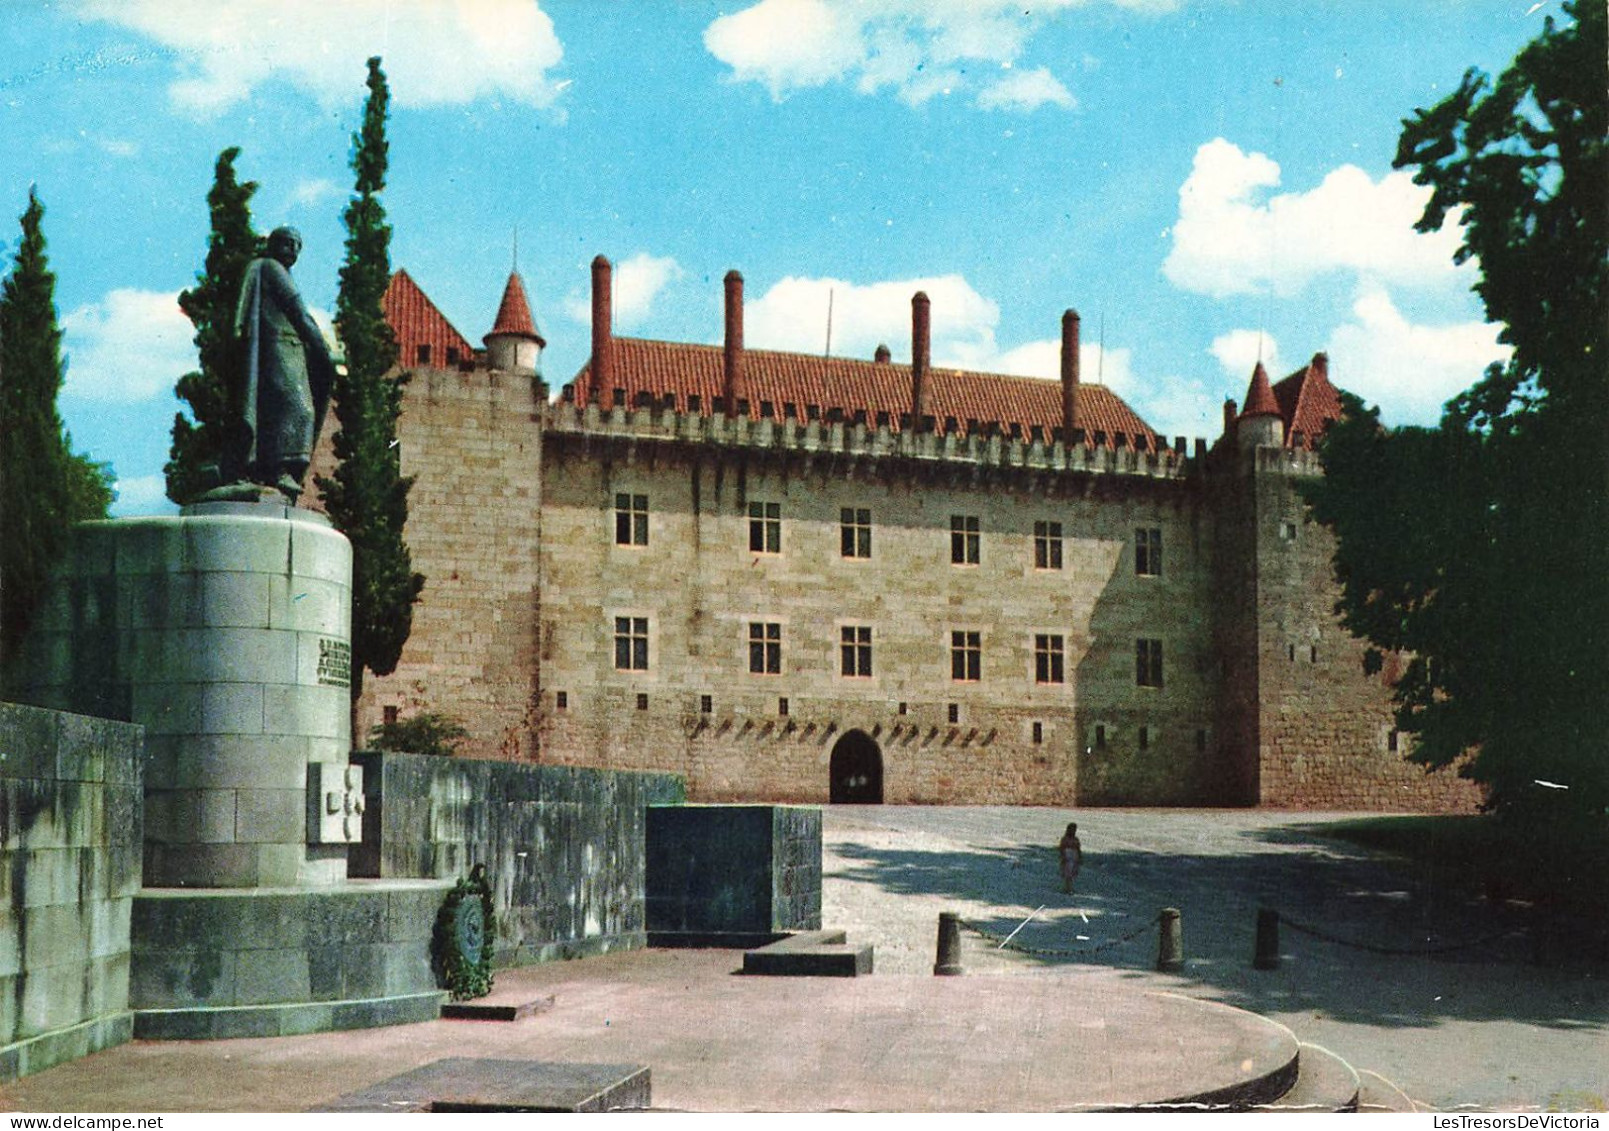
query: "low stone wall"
722, 873
563, 847
70, 836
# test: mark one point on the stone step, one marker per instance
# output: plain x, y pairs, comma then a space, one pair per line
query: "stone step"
1376, 1093
470, 1084
1324, 1083
499, 1005
810, 954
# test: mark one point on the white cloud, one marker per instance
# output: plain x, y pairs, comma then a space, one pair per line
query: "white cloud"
1239, 351
1407, 369
435, 53
311, 192
788, 44
1025, 90
1228, 241
792, 315
637, 282
131, 346
920, 48
142, 494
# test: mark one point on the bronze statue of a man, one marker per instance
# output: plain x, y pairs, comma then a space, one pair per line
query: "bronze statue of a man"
286, 375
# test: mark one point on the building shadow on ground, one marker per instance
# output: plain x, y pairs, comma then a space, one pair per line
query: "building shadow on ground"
1363, 938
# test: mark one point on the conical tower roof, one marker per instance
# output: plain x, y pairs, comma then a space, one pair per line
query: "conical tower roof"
1260, 396
514, 313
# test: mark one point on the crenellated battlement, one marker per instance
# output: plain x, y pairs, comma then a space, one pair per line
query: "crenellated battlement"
988, 447
1297, 460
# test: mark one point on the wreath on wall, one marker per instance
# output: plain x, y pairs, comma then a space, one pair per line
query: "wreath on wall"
461, 948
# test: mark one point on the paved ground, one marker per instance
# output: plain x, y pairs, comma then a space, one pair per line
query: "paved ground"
1475, 1028
1478, 1027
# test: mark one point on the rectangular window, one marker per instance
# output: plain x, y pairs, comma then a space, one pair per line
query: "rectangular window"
855, 532
1148, 663
393, 713
706, 704
1148, 551
561, 700
966, 656
953, 713
642, 701
1049, 658
765, 528
964, 539
1100, 737
1145, 738
631, 520
1039, 733
856, 649
765, 648
422, 355
1047, 545
631, 644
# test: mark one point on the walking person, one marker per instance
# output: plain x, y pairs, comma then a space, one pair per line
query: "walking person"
1072, 857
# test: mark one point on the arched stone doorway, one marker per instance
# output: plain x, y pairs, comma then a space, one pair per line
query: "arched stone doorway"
856, 771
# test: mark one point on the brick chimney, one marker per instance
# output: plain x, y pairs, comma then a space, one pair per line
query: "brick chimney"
1069, 373
882, 356
736, 387
920, 342
1230, 416
602, 359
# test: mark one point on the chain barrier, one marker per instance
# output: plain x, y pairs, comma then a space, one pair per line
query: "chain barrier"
1448, 948
1005, 942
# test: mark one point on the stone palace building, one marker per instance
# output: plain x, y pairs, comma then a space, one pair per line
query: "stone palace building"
805, 578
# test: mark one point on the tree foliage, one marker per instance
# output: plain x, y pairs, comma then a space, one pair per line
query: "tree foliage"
197, 453
1481, 547
367, 497
425, 733
44, 487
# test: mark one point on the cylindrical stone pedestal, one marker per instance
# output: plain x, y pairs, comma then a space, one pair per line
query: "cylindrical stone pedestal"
226, 632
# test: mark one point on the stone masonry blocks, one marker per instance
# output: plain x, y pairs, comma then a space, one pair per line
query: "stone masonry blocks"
225, 632
70, 835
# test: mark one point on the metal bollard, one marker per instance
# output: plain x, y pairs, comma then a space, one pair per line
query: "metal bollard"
1170, 942
1267, 956
948, 960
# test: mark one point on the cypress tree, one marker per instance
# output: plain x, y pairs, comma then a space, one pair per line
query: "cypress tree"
197, 451
44, 488
367, 497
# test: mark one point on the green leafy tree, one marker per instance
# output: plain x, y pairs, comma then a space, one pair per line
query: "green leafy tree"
197, 452
44, 487
367, 497
426, 733
1481, 547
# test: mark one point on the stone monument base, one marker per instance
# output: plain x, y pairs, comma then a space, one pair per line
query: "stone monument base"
263, 962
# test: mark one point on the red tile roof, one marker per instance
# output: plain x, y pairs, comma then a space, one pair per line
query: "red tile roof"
680, 370
1259, 397
417, 322
1308, 402
514, 312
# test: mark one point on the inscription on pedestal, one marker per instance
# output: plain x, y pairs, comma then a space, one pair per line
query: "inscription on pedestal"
334, 663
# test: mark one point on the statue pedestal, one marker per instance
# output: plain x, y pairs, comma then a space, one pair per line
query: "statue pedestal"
226, 633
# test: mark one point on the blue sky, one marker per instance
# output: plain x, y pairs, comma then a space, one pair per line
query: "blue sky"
1201, 179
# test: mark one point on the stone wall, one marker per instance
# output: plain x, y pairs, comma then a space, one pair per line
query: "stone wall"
70, 835
698, 710
472, 443
564, 847
1325, 729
